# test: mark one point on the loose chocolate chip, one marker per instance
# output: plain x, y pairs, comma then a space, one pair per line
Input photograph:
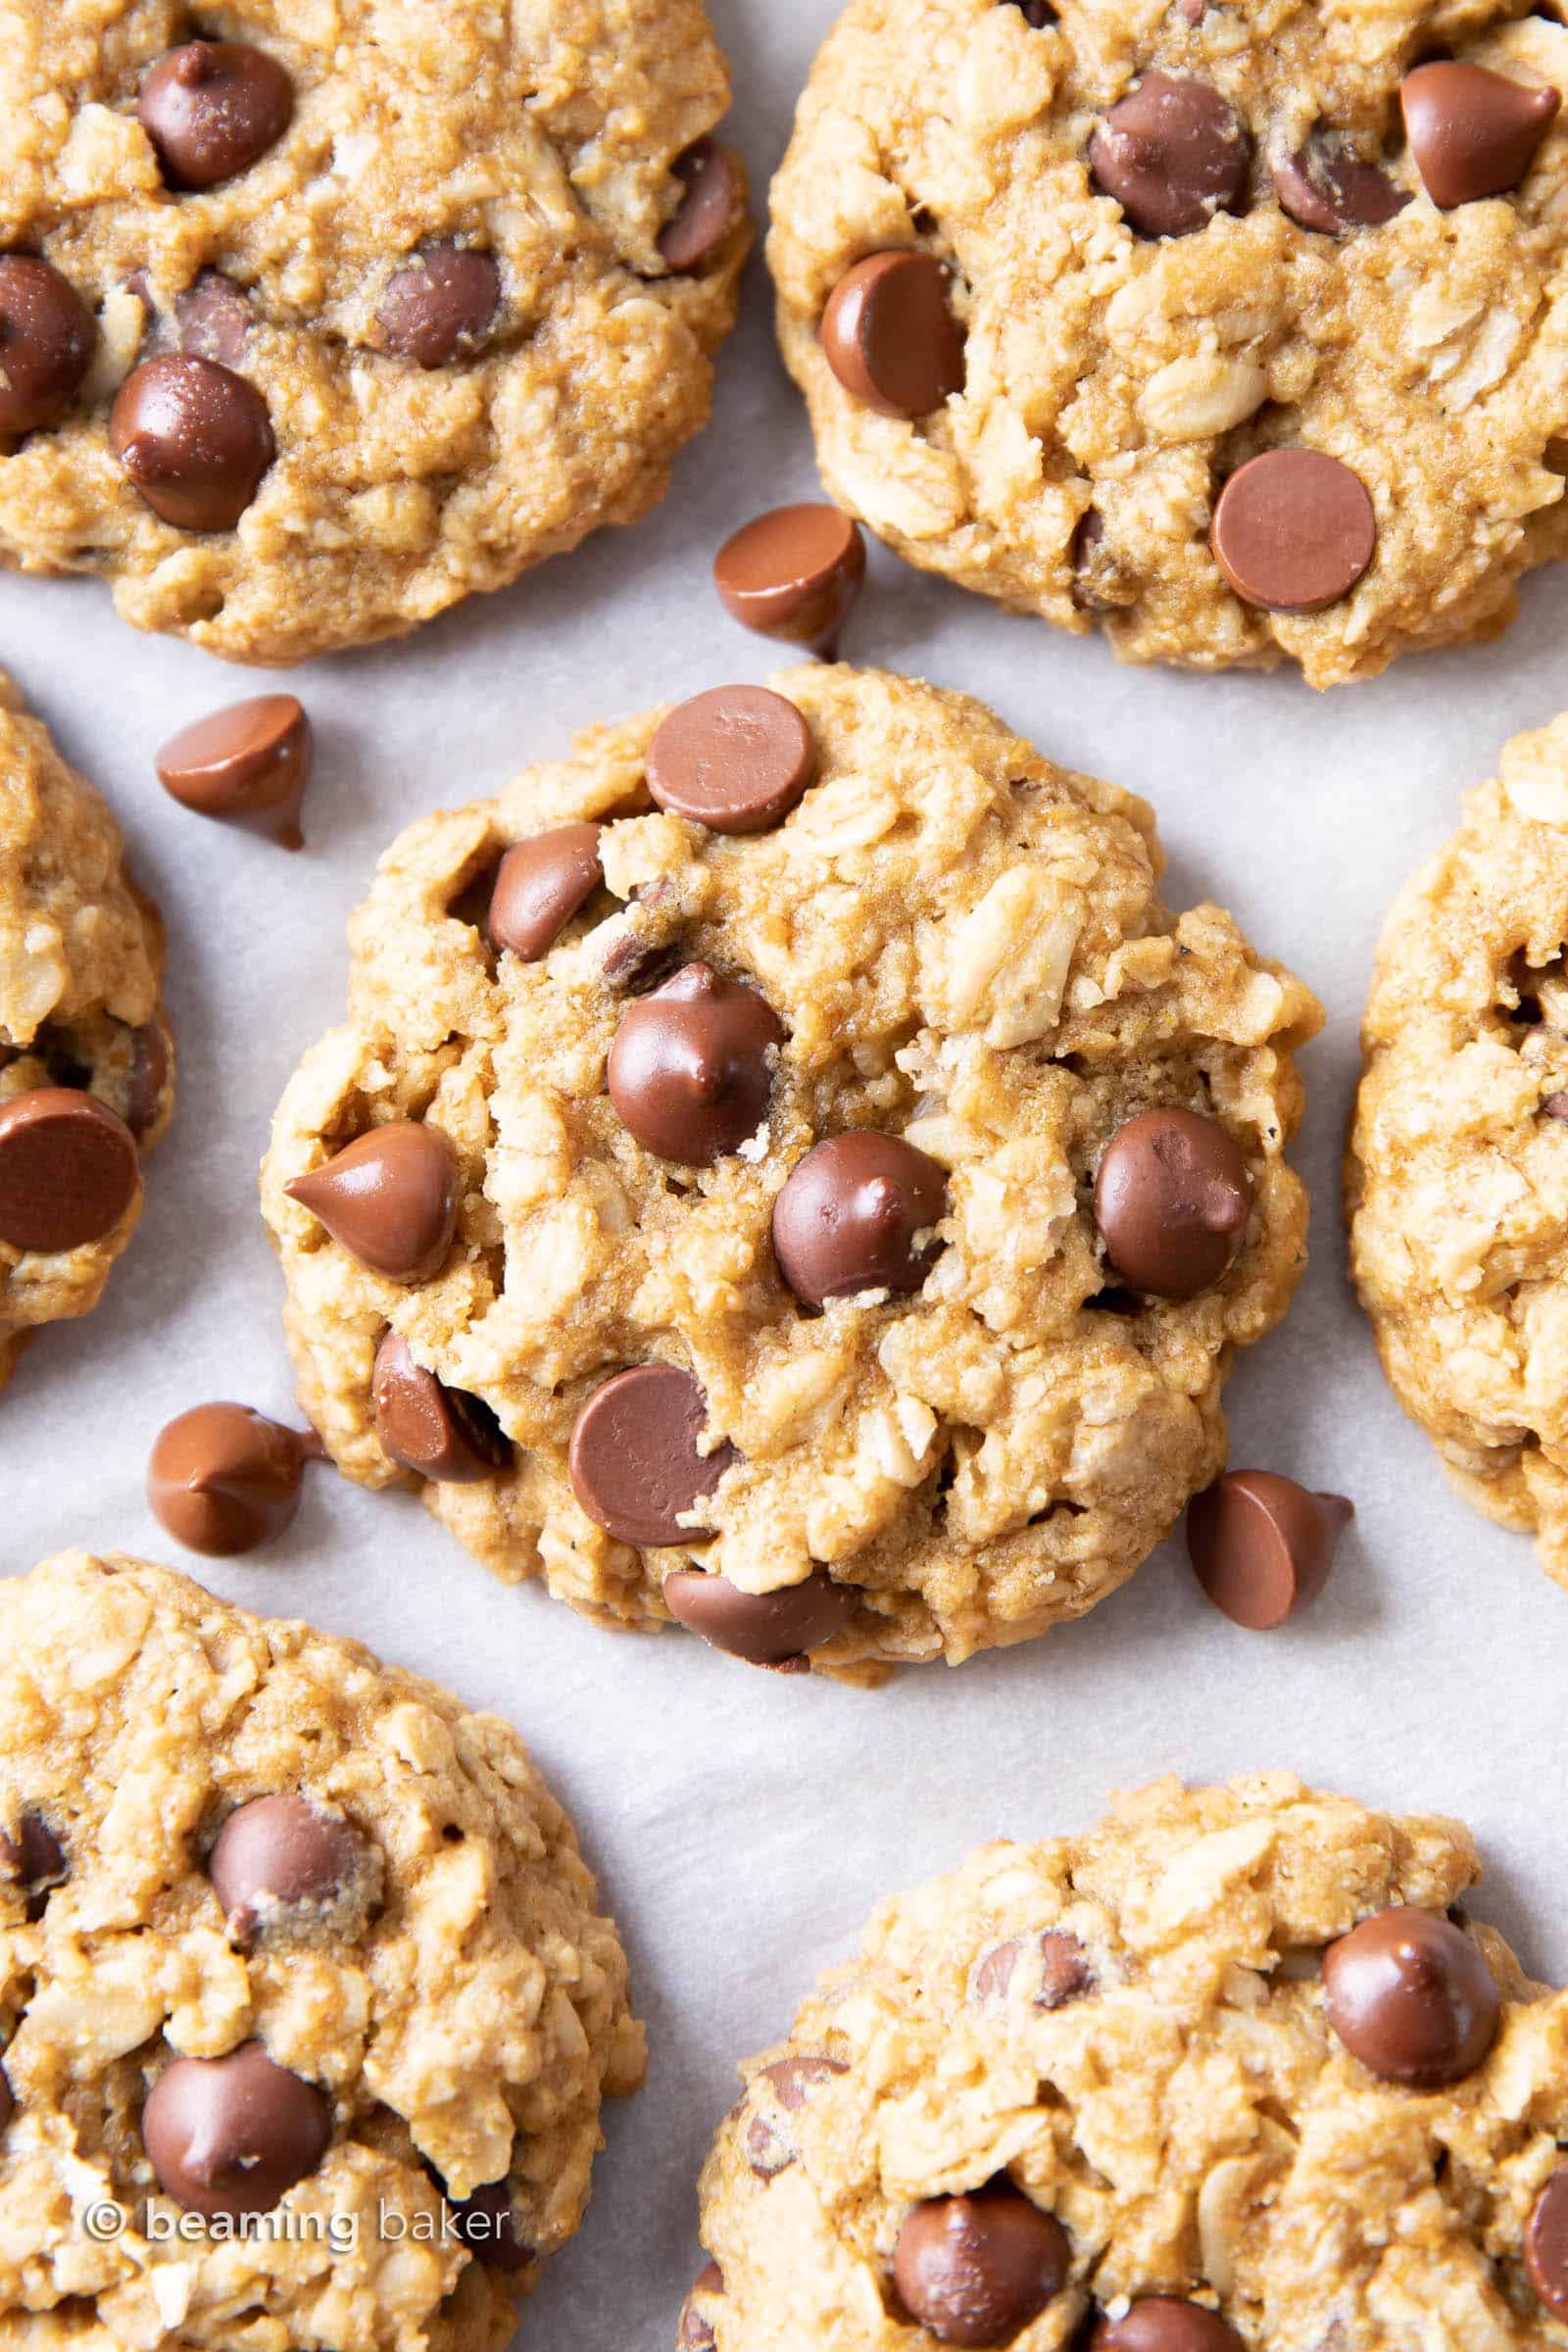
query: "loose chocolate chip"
1324, 185
1171, 1202
34, 1860
736, 760
248, 765
281, 1853
223, 1479
233, 2134
213, 109
769, 2150
695, 2333
1412, 1997
1165, 2324
539, 886
46, 339
635, 1459
766, 1629
194, 438
889, 335
1172, 153
69, 1169
1293, 530
441, 304
214, 319
1547, 2244
710, 206
975, 2269
794, 573
1261, 1546
148, 1080
1473, 133
391, 1199
424, 1426
1067, 1973
690, 1070
857, 1214
487, 2224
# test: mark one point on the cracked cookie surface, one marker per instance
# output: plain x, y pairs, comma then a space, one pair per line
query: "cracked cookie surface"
1457, 1179
81, 953
449, 303
1130, 2045
1176, 237
410, 1975
661, 1333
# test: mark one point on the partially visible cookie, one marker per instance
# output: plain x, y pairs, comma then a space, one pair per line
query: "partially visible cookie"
315, 327
1456, 1180
86, 1060
302, 1978
1229, 2074
786, 1170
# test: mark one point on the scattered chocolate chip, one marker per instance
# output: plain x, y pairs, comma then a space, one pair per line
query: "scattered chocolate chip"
1167, 2324
33, 1860
1038, 13
214, 318
695, 2333
212, 109
1547, 2244
248, 765
283, 1854
1261, 1546
487, 2224
1473, 133
46, 340
736, 758
976, 2268
390, 1198
7, 2108
1171, 1202
889, 335
442, 1433
1555, 1106
440, 305
194, 438
233, 2134
635, 1459
858, 1214
1412, 1997
769, 2150
1065, 1971
711, 201
1086, 562
147, 1083
1293, 530
539, 886
1324, 185
1172, 153
223, 1479
691, 1071
69, 1169
794, 573
766, 1629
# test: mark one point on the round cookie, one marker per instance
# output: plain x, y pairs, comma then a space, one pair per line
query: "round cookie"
303, 1981
710, 1213
86, 1060
1457, 1179
317, 328
1235, 331
1152, 2090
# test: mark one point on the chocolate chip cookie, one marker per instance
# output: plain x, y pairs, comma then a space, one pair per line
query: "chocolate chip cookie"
785, 1170
309, 329
1457, 1173
1233, 331
308, 2005
86, 1061
1226, 2075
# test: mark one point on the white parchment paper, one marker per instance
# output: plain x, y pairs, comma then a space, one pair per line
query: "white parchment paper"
745, 1824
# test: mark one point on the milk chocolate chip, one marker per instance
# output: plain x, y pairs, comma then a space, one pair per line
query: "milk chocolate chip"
46, 340
635, 1457
1324, 185
793, 574
440, 306
858, 1214
1261, 1546
69, 1169
441, 1433
1172, 153
766, 1629
223, 1479
391, 1199
1171, 1202
710, 180
1293, 530
737, 759
232, 2136
1167, 2324
694, 2331
889, 335
194, 439
539, 886
1547, 2244
1473, 133
771, 2150
975, 2269
281, 1854
248, 765
213, 109
1412, 1997
691, 1069
488, 2226
33, 1860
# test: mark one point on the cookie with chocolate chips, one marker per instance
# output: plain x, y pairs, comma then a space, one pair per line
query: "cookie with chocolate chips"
1229, 2074
1230, 330
313, 327
86, 1060
289, 1938
785, 1172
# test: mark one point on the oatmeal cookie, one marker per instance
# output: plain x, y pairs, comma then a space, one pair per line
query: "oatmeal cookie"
302, 1977
1457, 1172
311, 329
784, 1169
86, 1061
1238, 331
1226, 2075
